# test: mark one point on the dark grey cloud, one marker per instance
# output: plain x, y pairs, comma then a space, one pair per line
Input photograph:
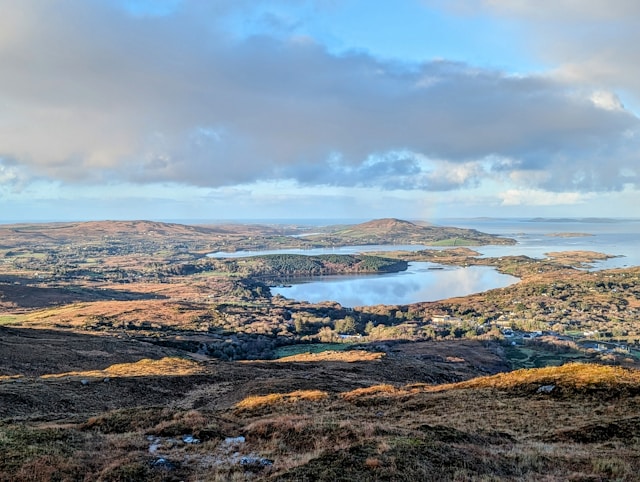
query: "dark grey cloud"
91, 93
393, 171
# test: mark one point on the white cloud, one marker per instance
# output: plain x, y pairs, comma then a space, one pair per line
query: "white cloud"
8, 175
548, 10
91, 94
592, 42
606, 100
532, 197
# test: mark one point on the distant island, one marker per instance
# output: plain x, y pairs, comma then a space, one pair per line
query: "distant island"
397, 231
577, 220
568, 235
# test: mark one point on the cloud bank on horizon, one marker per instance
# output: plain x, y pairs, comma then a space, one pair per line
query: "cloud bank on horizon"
145, 93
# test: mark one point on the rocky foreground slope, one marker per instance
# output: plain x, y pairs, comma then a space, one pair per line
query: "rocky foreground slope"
425, 411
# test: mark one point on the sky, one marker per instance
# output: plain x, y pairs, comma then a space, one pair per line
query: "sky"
325, 109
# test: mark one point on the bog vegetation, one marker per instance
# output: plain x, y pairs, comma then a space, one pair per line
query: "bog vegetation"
128, 354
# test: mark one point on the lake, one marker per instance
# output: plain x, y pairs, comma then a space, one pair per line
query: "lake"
421, 282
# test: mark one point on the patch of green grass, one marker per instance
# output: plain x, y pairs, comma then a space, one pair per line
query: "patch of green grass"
29, 255
455, 242
535, 357
216, 274
573, 332
514, 353
11, 319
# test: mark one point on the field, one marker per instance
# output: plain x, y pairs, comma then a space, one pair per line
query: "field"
128, 355
537, 357
395, 418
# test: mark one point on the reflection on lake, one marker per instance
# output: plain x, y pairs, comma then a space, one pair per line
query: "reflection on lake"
318, 251
421, 282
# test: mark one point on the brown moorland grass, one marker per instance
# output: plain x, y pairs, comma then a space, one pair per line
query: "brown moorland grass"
262, 401
489, 428
143, 368
348, 356
116, 313
387, 418
571, 377
577, 257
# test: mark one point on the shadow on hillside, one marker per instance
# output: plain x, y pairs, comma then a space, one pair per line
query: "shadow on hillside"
402, 362
35, 352
17, 279
24, 296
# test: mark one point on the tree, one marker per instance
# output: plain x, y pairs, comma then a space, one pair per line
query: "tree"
346, 325
368, 328
326, 334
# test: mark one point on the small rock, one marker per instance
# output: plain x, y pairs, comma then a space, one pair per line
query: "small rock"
84, 381
250, 460
153, 448
190, 439
163, 463
234, 440
546, 389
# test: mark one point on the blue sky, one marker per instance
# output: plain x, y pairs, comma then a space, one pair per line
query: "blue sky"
416, 109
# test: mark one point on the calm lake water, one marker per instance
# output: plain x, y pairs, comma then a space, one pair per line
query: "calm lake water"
421, 282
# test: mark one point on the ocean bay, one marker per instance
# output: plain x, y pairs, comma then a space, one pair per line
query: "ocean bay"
424, 281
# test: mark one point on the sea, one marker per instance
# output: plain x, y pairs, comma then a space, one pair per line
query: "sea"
421, 282
537, 236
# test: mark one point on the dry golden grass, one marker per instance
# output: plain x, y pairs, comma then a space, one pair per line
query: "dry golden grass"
384, 390
143, 368
10, 378
273, 399
577, 257
490, 428
571, 377
166, 312
372, 462
347, 356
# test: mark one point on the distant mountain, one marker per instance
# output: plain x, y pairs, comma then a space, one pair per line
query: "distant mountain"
101, 229
380, 226
152, 237
86, 231
398, 231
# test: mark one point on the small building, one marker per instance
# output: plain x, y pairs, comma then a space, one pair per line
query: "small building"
444, 319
